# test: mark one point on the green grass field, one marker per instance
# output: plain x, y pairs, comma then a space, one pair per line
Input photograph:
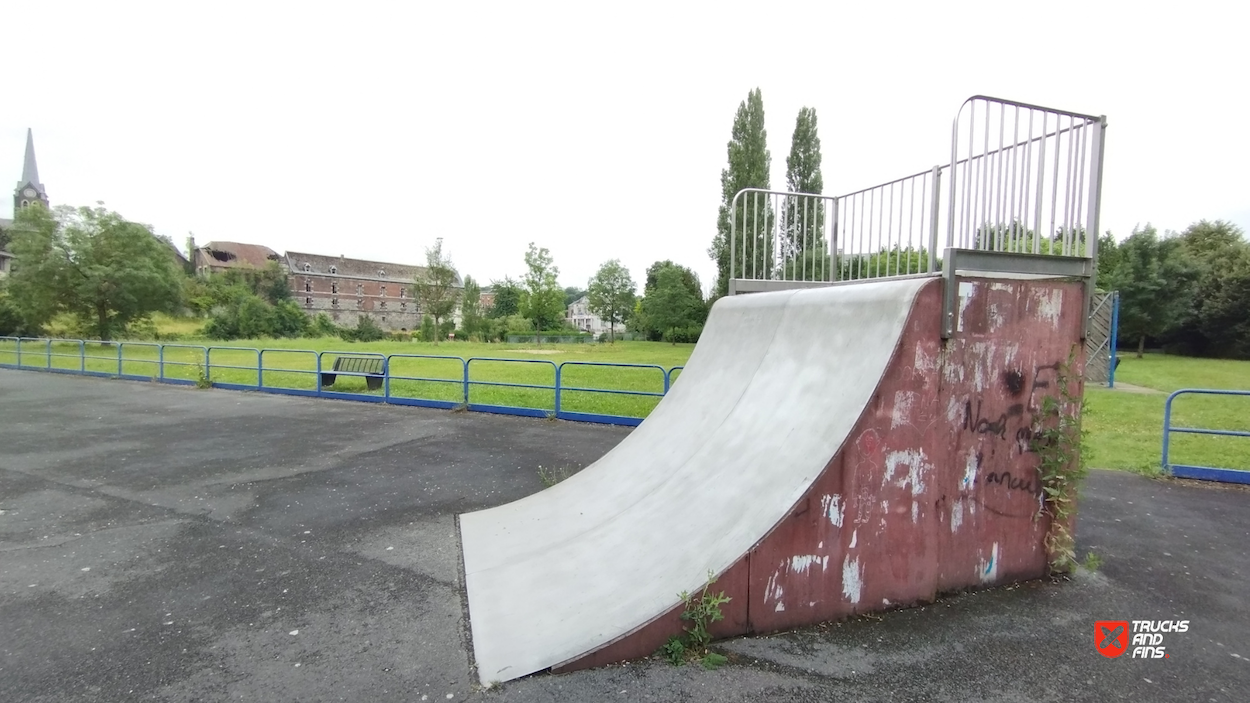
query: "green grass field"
1124, 428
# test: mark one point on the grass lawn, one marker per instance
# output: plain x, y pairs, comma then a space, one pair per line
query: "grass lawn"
1126, 429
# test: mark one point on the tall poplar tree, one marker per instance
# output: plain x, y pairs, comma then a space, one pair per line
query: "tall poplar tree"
803, 218
749, 163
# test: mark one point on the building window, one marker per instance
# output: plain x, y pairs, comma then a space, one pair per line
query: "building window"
307, 267
383, 291
334, 302
308, 301
381, 273
334, 270
360, 289
334, 286
403, 292
382, 305
403, 306
25, 203
307, 285
359, 302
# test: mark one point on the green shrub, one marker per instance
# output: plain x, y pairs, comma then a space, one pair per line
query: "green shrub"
427, 329
322, 326
366, 330
683, 335
401, 336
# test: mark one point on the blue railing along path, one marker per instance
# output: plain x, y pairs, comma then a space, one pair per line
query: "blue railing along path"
1204, 473
39, 354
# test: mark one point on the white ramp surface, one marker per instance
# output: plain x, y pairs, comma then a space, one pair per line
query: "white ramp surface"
768, 397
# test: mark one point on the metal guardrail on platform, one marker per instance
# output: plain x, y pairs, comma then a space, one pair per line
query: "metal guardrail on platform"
1022, 179
274, 372
1205, 473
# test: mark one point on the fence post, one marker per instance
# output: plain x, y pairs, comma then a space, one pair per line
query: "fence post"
1115, 337
559, 367
119, 359
82, 357
19, 352
160, 361
48, 365
386, 378
208, 370
465, 363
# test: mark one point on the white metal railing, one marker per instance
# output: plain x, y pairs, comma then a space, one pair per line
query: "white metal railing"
1022, 179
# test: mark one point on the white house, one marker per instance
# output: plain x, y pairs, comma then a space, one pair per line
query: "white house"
580, 316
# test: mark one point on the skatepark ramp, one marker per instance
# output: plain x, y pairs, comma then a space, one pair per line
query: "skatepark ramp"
834, 446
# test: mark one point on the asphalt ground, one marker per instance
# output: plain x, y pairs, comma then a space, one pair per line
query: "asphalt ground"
167, 543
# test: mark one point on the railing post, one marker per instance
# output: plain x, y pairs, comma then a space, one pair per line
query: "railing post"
208, 370
119, 359
1167, 428
386, 378
19, 352
465, 364
559, 367
82, 357
160, 362
833, 254
48, 362
935, 216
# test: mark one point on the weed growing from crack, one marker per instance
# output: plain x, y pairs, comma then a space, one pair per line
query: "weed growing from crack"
701, 611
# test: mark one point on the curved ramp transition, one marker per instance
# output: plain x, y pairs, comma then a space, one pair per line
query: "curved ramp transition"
805, 456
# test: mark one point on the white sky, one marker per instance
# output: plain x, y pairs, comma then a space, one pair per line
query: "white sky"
369, 129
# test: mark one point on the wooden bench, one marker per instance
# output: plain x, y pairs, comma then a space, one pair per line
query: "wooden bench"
373, 368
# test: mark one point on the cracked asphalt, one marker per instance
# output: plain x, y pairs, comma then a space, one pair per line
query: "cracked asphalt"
172, 544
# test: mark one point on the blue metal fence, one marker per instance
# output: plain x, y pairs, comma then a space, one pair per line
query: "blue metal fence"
147, 361
1205, 473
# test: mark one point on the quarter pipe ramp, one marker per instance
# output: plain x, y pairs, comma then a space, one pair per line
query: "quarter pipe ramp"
824, 453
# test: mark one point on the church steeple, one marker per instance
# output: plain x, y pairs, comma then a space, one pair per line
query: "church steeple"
29, 189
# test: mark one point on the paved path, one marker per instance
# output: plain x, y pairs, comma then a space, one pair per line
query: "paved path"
161, 543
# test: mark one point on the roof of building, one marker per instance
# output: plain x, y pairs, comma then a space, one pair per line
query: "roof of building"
5, 255
235, 254
30, 170
355, 268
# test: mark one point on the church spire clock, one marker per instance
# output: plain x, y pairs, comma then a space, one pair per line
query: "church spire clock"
29, 190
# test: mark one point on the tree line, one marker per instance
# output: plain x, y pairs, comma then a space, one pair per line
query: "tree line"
109, 276
1186, 292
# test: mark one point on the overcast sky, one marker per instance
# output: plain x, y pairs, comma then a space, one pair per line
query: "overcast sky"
369, 129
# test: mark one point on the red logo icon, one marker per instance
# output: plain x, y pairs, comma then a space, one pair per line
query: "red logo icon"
1111, 637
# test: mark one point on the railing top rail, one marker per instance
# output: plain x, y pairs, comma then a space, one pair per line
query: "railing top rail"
769, 191
461, 359
1028, 106
1204, 391
523, 361
920, 174
609, 363
380, 355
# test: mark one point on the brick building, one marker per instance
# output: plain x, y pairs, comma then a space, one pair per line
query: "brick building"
346, 288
